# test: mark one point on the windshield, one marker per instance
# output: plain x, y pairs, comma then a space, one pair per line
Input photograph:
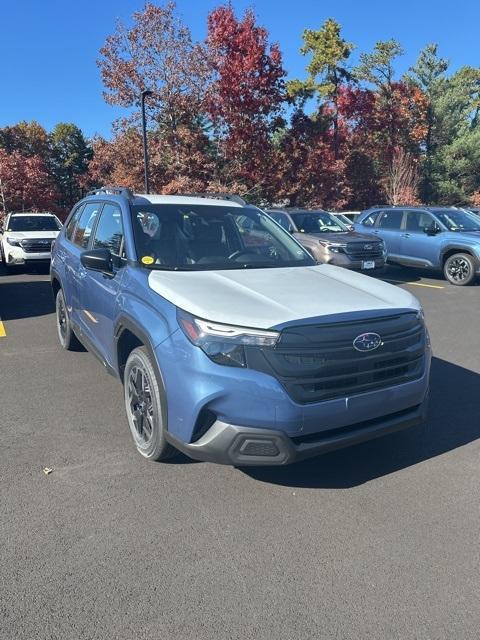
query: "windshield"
33, 223
317, 222
456, 220
202, 237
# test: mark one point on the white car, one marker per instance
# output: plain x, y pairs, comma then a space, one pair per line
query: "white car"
28, 237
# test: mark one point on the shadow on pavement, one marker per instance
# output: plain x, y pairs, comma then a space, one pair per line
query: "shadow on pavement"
25, 299
454, 420
398, 274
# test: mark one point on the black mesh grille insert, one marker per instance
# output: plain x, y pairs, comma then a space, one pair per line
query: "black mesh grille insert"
319, 362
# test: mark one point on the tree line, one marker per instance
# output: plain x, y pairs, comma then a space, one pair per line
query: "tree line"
224, 116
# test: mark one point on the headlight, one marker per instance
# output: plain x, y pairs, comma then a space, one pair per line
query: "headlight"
13, 242
334, 247
222, 343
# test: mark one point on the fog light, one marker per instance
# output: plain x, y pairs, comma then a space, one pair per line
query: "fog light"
265, 448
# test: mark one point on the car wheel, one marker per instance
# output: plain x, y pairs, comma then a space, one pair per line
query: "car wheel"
66, 336
459, 269
146, 407
6, 267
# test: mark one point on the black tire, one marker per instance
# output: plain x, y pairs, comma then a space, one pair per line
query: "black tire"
146, 407
65, 333
459, 269
6, 267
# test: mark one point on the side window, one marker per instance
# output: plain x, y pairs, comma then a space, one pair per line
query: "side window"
390, 219
73, 221
109, 231
370, 219
419, 221
83, 230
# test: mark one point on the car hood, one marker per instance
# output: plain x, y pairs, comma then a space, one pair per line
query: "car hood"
31, 235
265, 298
349, 236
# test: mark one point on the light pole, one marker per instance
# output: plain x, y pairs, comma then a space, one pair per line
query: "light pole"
144, 95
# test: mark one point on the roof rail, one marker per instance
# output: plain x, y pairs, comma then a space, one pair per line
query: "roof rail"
119, 191
218, 195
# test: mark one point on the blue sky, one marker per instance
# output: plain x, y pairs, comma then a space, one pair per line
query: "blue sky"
48, 49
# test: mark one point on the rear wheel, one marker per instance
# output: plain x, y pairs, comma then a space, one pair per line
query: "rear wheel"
66, 337
146, 407
459, 269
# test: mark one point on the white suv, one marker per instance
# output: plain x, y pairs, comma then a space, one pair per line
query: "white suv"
28, 237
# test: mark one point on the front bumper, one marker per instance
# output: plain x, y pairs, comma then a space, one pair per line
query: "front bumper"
16, 255
343, 260
246, 446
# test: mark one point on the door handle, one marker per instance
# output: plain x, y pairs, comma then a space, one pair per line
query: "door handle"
406, 235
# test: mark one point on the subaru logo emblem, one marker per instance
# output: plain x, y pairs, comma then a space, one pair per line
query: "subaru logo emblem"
367, 247
367, 342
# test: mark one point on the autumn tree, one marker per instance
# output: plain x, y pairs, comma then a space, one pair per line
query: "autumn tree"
401, 182
157, 53
27, 138
25, 183
244, 101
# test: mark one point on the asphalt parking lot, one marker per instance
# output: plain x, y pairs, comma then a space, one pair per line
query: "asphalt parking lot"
376, 541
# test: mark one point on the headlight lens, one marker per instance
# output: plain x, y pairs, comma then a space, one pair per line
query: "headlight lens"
224, 344
13, 242
334, 247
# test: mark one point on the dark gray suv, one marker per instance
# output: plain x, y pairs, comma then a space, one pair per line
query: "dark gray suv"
330, 241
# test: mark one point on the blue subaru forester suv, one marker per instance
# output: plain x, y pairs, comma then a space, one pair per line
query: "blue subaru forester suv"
440, 238
232, 344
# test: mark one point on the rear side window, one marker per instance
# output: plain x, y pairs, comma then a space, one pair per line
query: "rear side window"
369, 221
109, 231
73, 221
390, 220
83, 230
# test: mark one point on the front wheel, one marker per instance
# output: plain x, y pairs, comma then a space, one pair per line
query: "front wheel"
66, 336
459, 269
146, 407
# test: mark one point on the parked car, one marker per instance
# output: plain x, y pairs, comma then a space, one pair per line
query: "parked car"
330, 241
232, 344
439, 238
28, 238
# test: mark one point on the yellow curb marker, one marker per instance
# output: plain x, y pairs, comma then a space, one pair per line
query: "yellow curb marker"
3, 333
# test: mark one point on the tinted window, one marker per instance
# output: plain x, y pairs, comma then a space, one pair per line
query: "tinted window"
390, 220
109, 231
282, 220
33, 223
419, 221
369, 221
83, 230
73, 221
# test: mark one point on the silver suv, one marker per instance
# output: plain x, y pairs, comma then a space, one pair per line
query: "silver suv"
330, 241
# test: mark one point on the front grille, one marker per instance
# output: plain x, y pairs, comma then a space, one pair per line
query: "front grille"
364, 250
37, 246
319, 362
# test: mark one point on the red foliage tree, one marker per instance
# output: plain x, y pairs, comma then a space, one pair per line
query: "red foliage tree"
245, 99
25, 184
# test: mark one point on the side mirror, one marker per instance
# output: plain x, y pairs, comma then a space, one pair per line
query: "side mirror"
431, 231
98, 260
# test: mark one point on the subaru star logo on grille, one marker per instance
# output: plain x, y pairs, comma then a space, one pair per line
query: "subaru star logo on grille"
368, 247
367, 342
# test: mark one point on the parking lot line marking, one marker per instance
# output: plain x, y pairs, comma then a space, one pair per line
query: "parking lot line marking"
417, 284
3, 333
